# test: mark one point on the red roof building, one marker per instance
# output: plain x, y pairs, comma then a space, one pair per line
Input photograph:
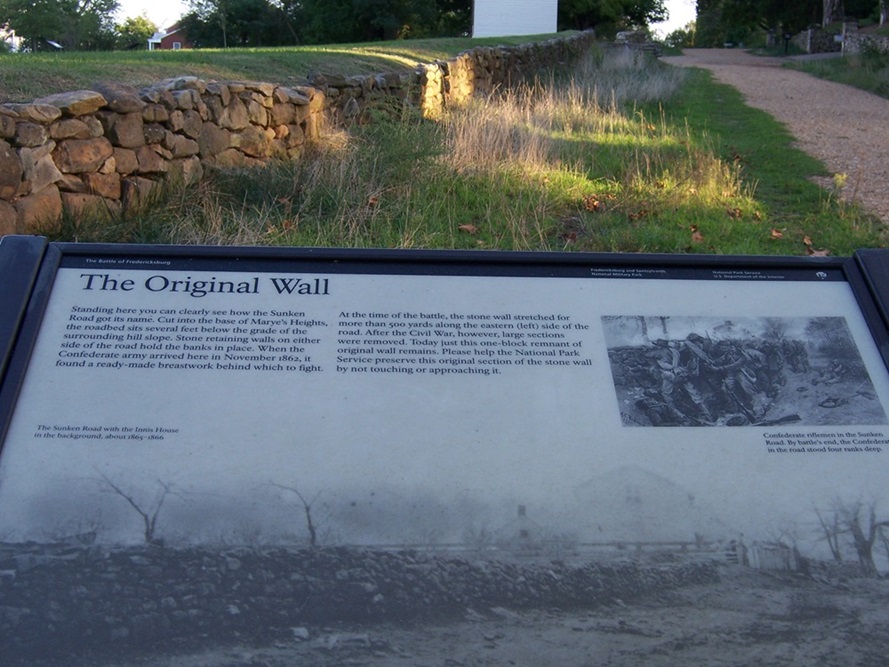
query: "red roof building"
173, 38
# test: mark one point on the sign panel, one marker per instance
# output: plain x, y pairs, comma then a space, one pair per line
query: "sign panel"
496, 18
406, 457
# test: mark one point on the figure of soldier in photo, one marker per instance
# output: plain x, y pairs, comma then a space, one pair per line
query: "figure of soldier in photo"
736, 368
772, 377
703, 382
748, 372
652, 405
796, 355
833, 374
680, 367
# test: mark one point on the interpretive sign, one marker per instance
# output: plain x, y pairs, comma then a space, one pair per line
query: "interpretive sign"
332, 457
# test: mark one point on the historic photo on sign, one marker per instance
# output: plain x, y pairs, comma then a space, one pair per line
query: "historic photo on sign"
710, 371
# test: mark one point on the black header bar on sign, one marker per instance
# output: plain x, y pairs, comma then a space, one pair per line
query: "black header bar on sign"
453, 263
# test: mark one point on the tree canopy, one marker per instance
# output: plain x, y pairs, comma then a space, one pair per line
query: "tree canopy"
278, 22
74, 24
720, 21
582, 14
134, 32
217, 22
88, 24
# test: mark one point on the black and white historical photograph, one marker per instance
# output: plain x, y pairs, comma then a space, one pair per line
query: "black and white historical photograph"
710, 371
260, 469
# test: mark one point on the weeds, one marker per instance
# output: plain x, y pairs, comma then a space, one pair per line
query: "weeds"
868, 71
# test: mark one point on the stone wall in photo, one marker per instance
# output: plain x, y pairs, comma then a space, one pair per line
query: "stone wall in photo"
71, 600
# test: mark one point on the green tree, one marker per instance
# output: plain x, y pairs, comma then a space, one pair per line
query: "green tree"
339, 21
682, 37
708, 23
206, 24
75, 24
582, 14
862, 9
454, 17
256, 23
329, 21
33, 20
719, 20
395, 19
134, 32
224, 23
642, 13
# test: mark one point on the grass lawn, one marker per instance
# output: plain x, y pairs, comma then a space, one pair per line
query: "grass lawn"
868, 72
793, 212
27, 76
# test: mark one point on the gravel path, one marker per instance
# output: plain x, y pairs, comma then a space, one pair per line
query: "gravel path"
842, 126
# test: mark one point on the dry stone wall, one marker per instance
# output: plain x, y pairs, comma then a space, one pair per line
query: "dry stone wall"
859, 44
816, 40
106, 149
856, 43
57, 602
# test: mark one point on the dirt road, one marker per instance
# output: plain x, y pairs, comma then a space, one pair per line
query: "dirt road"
749, 618
842, 126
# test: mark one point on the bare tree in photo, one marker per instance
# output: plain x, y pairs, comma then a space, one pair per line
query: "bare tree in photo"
831, 335
311, 525
830, 529
478, 538
884, 540
148, 509
859, 520
644, 326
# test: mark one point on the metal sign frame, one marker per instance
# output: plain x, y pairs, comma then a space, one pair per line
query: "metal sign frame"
318, 452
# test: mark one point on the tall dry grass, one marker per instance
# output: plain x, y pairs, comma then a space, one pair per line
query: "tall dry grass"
591, 125
562, 162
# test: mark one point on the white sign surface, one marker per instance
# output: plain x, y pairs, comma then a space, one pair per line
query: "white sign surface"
502, 390
497, 18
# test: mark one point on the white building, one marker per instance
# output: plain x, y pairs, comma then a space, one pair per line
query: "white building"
12, 41
499, 18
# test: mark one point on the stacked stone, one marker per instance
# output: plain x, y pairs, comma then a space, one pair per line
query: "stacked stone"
461, 80
816, 40
856, 44
100, 151
433, 87
238, 124
356, 99
96, 152
53, 596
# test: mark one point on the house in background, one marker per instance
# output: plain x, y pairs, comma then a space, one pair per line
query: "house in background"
632, 505
521, 535
173, 38
498, 18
